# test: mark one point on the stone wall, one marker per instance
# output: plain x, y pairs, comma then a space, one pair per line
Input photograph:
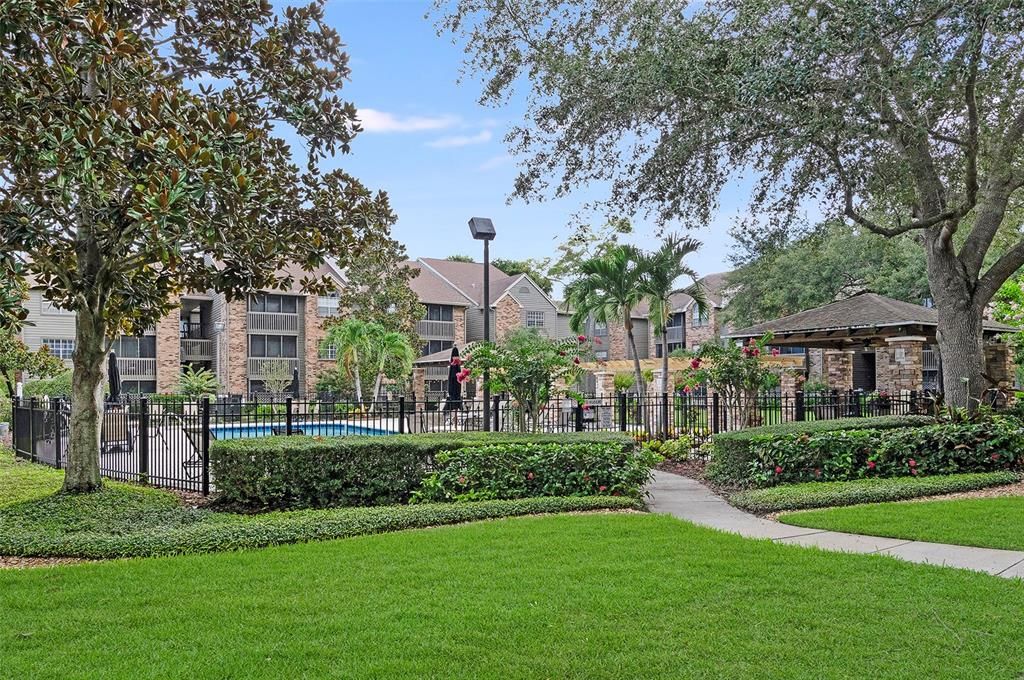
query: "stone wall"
168, 352
314, 334
899, 366
508, 316
999, 366
698, 336
604, 383
236, 358
838, 369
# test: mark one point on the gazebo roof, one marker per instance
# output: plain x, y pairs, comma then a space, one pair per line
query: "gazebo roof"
863, 317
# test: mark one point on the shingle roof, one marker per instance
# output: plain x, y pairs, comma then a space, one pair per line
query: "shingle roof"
431, 288
468, 277
866, 310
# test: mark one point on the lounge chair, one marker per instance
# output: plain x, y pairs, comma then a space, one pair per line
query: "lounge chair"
117, 436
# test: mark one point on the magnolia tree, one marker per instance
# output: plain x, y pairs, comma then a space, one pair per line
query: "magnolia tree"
140, 158
737, 372
16, 357
532, 369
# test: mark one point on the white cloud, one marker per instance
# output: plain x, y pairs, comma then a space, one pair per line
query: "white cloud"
461, 140
382, 121
495, 162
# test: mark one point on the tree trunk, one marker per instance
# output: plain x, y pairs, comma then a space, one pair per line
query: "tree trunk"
664, 361
638, 373
962, 353
82, 474
376, 387
358, 378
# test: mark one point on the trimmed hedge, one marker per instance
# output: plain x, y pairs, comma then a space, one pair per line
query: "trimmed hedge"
732, 456
521, 470
832, 494
314, 472
126, 522
995, 443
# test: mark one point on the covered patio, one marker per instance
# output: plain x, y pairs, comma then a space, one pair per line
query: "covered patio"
874, 342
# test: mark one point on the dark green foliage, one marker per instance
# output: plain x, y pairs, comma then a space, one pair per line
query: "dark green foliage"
994, 443
731, 451
124, 521
294, 472
522, 470
829, 494
58, 386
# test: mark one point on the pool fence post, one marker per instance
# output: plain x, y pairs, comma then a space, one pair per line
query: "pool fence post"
205, 411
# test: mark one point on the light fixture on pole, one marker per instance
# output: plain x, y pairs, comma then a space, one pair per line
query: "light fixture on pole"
482, 229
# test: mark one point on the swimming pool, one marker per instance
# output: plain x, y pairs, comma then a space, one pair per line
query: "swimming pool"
334, 429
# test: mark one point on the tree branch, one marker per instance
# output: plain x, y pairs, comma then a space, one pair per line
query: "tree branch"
1005, 267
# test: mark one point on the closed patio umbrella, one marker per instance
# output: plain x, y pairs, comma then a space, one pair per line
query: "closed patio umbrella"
295, 383
454, 401
113, 378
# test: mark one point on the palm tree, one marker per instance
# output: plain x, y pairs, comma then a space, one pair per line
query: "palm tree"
660, 272
350, 338
608, 288
389, 346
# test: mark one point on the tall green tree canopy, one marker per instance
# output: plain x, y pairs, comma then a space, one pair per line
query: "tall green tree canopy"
828, 263
532, 268
902, 116
127, 177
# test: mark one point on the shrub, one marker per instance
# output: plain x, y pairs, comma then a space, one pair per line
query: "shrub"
731, 454
832, 494
671, 449
523, 470
990, 444
291, 472
58, 386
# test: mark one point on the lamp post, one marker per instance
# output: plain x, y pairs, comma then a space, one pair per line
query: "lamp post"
482, 229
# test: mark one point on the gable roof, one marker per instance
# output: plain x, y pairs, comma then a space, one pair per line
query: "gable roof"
434, 289
468, 277
866, 310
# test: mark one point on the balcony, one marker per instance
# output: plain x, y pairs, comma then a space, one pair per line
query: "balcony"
196, 350
267, 322
136, 369
435, 330
436, 373
261, 367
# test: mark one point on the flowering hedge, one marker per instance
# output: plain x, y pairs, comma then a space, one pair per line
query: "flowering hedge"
526, 470
995, 443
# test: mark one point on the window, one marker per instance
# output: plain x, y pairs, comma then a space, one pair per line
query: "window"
676, 320
128, 347
439, 313
273, 346
672, 347
700, 318
62, 348
277, 304
600, 328
434, 346
327, 305
791, 350
138, 386
49, 309
329, 352
535, 319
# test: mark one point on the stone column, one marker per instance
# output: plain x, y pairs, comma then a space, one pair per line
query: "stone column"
901, 365
838, 369
459, 317
168, 352
419, 383
789, 383
604, 384
236, 358
999, 366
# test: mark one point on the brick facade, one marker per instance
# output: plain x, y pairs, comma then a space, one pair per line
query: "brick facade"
838, 369
999, 366
168, 352
236, 357
899, 365
697, 336
508, 316
459, 317
314, 334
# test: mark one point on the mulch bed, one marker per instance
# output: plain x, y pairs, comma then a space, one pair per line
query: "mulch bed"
33, 562
688, 468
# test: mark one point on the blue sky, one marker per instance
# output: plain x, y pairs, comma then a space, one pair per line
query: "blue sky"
440, 155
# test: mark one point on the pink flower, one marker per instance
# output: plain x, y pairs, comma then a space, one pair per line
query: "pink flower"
529, 475
775, 351
756, 352
817, 472
871, 465
586, 407
462, 479
686, 389
456, 361
597, 341
778, 469
746, 351
912, 463
695, 363
913, 471
581, 338
995, 456
466, 358
602, 488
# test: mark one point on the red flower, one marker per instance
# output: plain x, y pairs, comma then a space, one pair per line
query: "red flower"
575, 360
912, 463
775, 351
778, 469
586, 407
756, 352
529, 475
581, 338
817, 472
746, 351
602, 488
686, 389
995, 456
871, 465
695, 363
456, 361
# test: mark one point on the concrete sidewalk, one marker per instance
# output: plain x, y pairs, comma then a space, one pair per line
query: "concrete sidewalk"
688, 499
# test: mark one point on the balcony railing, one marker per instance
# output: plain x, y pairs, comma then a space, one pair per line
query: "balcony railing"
436, 373
436, 330
261, 322
260, 367
136, 369
196, 350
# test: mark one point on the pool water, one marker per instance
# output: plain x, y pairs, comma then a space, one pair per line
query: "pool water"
310, 429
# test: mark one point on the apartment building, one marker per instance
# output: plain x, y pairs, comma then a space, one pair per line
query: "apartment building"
270, 333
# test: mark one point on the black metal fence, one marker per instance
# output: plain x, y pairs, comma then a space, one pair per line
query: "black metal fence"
165, 441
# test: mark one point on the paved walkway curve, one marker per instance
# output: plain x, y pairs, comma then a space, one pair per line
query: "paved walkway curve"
688, 499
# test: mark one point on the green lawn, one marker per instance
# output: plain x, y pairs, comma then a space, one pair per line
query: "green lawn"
22, 481
984, 522
569, 596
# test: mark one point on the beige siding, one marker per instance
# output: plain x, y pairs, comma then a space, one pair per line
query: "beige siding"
46, 322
